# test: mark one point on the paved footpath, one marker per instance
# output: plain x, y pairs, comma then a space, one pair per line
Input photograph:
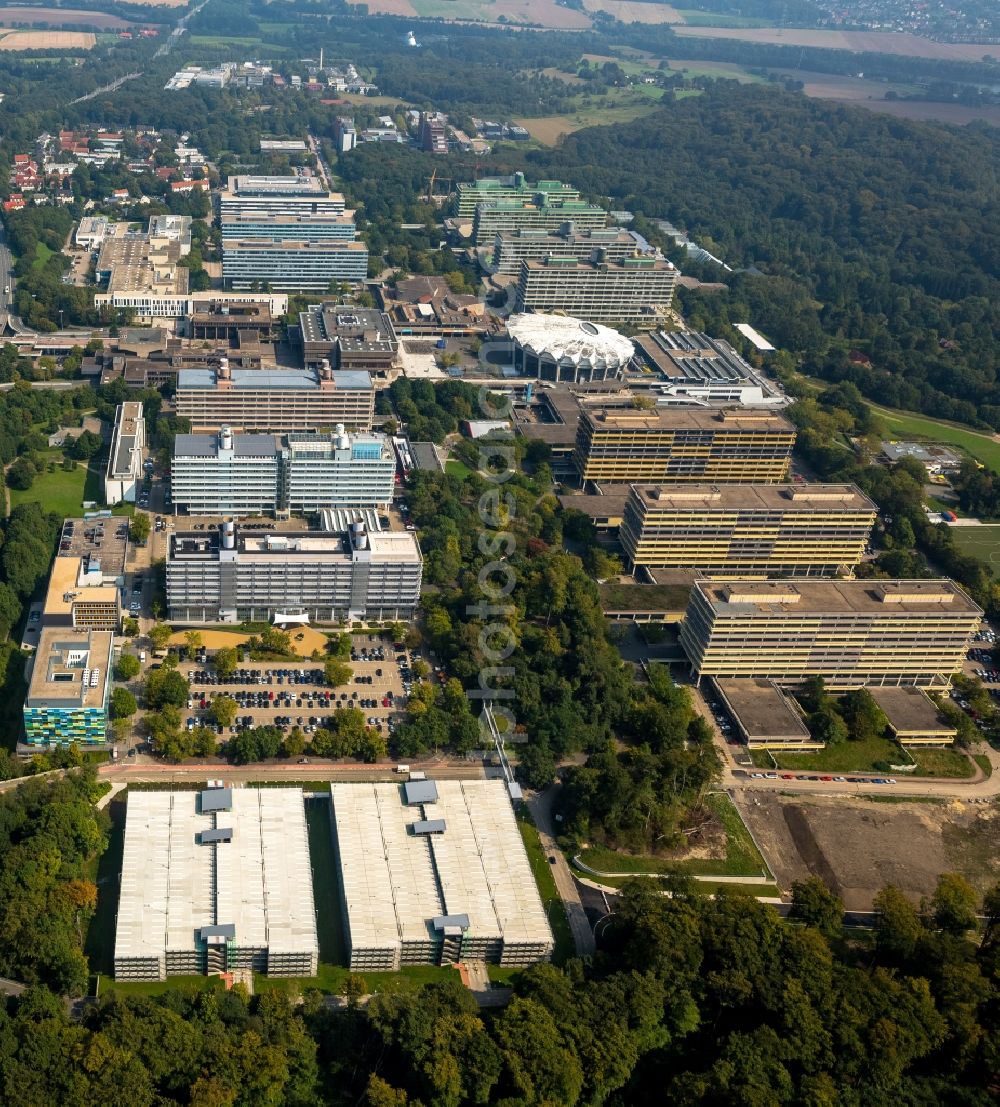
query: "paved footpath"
540, 806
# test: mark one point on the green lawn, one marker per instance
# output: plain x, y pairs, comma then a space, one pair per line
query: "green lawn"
457, 468
984, 763
717, 19
742, 856
61, 491
42, 255
860, 757
981, 542
907, 424
554, 908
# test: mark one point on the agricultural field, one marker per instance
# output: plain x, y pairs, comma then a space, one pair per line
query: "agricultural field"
549, 129
857, 847
635, 11
874, 42
727, 71
47, 40
546, 13
60, 17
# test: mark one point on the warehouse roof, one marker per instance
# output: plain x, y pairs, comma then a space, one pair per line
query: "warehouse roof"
398, 886
175, 882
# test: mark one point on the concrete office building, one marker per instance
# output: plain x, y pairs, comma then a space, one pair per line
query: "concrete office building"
732, 445
502, 217
269, 197
635, 290
561, 348
852, 633
296, 228
67, 698
741, 530
348, 338
216, 881
690, 369
292, 264
277, 401
81, 595
435, 872
225, 474
510, 248
124, 472
765, 717
350, 571
493, 190
254, 474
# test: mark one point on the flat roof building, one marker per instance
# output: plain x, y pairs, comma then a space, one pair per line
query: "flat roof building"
124, 472
853, 633
764, 717
293, 264
67, 699
354, 572
491, 190
510, 248
277, 401
914, 718
733, 445
637, 290
254, 474
322, 227
691, 369
439, 880
741, 530
208, 888
542, 213
348, 338
270, 196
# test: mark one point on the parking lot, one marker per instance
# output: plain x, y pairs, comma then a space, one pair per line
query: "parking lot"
287, 694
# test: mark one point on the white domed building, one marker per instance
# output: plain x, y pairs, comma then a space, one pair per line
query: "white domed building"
561, 348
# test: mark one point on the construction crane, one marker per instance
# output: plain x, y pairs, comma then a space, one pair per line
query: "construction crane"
430, 197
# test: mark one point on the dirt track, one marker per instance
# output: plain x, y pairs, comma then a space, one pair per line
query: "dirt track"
857, 847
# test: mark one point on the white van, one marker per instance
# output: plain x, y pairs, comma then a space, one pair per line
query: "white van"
401, 769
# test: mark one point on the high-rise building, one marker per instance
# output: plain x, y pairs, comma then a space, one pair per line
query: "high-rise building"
741, 530
254, 474
496, 217
852, 633
510, 248
67, 698
635, 290
293, 263
321, 227
731, 445
493, 190
277, 401
432, 134
266, 197
350, 570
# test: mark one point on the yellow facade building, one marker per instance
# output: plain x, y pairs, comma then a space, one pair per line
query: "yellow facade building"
747, 530
733, 445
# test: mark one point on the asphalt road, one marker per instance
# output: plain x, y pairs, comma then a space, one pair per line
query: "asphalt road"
541, 811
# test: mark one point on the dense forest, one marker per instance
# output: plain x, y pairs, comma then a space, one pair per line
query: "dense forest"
689, 1000
892, 228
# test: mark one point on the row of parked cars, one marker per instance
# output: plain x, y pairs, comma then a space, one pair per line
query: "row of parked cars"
259, 676
817, 776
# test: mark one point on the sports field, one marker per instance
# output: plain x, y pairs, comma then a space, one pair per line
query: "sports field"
982, 542
907, 424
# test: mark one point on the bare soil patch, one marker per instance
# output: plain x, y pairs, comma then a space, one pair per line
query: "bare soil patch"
874, 42
48, 40
60, 17
387, 7
634, 11
857, 847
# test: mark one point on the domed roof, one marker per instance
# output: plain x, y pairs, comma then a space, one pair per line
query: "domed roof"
566, 340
